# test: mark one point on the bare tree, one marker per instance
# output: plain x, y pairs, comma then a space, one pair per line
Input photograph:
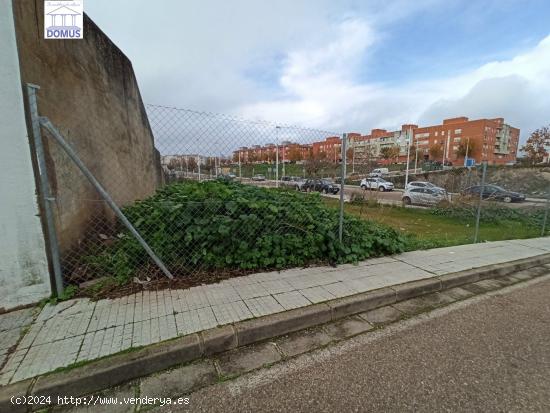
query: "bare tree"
436, 152
535, 147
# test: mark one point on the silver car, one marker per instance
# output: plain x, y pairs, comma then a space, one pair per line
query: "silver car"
423, 184
423, 196
378, 184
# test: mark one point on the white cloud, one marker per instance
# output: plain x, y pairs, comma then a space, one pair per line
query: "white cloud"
301, 62
320, 89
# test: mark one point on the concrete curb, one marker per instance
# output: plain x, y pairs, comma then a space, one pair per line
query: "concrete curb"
117, 369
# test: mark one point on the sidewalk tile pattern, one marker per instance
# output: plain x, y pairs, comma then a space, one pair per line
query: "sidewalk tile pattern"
33, 343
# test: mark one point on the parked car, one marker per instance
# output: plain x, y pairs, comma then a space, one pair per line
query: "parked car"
423, 196
379, 173
423, 184
226, 177
289, 181
231, 175
258, 177
299, 184
376, 183
320, 185
493, 192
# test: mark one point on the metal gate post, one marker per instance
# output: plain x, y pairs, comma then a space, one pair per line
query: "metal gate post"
476, 234
45, 122
342, 186
45, 189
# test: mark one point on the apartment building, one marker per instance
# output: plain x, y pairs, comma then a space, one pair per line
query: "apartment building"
370, 147
490, 140
288, 152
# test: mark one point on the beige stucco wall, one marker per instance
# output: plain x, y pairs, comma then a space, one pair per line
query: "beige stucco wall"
89, 91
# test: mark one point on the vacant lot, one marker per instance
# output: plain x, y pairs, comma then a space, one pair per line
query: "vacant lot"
427, 230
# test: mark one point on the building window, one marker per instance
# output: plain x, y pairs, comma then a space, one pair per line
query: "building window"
456, 140
458, 131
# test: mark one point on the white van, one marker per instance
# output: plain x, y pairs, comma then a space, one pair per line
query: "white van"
379, 172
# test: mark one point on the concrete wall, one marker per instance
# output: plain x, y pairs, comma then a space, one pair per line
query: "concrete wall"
24, 274
89, 91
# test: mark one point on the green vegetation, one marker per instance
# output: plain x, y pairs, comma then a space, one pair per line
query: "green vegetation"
217, 225
441, 227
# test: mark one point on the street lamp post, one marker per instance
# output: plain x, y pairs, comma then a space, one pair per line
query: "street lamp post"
277, 156
409, 133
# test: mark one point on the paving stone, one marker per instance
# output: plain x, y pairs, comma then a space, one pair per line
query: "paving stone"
231, 312
303, 341
292, 299
16, 319
179, 381
522, 275
382, 315
252, 291
339, 289
261, 306
459, 293
276, 286
347, 327
482, 286
413, 306
317, 294
245, 359
195, 320
507, 280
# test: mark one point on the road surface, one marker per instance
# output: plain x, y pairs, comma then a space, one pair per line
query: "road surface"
392, 197
487, 354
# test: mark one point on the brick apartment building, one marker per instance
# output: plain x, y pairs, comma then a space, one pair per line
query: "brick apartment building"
288, 152
330, 149
489, 140
485, 139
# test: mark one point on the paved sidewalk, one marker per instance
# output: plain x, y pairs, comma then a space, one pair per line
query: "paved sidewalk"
80, 330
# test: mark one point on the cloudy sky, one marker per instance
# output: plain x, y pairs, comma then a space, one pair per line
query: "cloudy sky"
346, 65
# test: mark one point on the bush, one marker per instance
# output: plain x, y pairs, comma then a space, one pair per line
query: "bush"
224, 225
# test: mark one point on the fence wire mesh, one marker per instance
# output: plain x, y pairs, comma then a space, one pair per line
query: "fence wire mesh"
207, 216
198, 197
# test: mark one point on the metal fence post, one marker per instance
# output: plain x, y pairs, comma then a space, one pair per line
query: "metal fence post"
476, 234
45, 122
342, 186
52, 242
544, 221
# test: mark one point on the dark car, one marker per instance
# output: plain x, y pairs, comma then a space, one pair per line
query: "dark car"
320, 185
494, 192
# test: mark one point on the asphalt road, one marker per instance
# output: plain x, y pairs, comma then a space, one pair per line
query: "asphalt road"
487, 354
392, 197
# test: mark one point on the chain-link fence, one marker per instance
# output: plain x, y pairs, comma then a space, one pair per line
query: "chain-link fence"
210, 216
213, 196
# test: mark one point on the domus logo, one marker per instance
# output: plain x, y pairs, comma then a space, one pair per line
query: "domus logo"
64, 19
